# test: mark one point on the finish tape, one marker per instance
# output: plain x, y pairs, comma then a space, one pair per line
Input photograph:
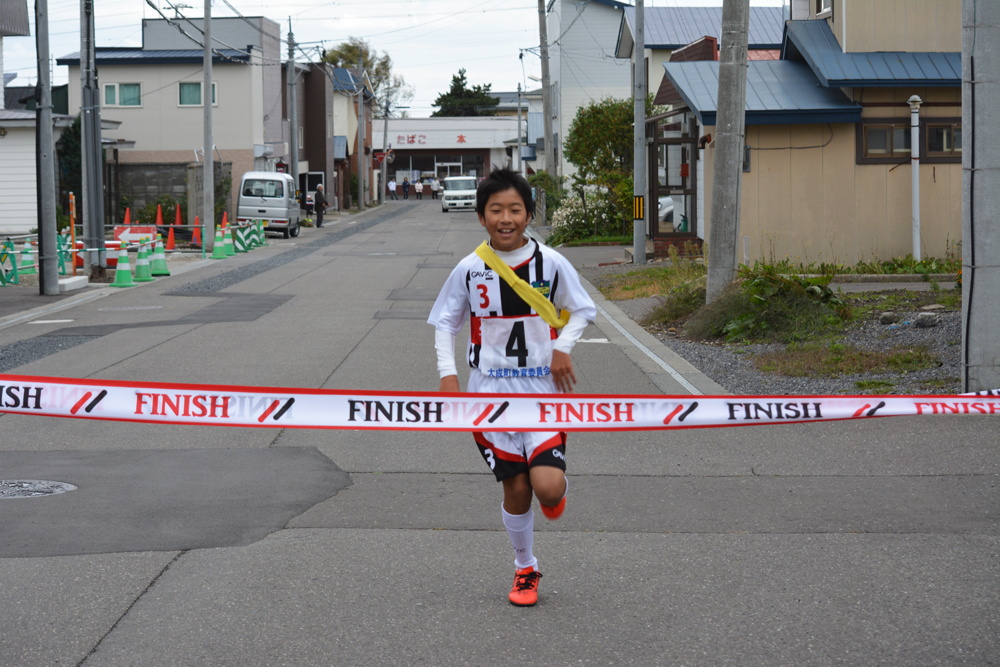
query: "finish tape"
283, 407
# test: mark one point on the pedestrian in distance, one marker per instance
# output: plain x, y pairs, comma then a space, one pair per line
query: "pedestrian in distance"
319, 202
392, 189
435, 186
418, 187
406, 189
511, 350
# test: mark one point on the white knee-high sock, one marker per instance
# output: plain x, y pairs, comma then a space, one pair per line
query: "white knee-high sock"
520, 529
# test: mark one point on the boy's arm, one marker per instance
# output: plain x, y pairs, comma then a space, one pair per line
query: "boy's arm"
562, 364
444, 345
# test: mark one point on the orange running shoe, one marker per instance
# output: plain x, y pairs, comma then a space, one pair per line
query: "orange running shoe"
525, 590
553, 512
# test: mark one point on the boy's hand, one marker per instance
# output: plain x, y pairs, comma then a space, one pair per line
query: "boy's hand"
562, 371
449, 383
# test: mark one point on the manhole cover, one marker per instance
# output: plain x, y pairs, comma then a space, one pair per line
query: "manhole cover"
121, 308
32, 488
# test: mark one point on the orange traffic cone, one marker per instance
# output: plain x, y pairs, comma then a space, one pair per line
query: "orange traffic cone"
196, 237
127, 218
170, 235
159, 216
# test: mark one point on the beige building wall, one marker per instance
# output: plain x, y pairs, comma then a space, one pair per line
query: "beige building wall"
164, 131
817, 205
896, 25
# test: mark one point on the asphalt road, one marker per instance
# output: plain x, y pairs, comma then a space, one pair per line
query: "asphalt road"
861, 543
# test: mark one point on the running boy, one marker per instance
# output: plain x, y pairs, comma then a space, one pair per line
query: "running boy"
512, 349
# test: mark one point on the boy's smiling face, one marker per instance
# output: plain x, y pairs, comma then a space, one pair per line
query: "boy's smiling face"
505, 220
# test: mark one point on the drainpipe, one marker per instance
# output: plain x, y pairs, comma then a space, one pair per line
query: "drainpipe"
915, 103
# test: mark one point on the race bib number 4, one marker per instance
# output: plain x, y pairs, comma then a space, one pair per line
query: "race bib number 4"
515, 346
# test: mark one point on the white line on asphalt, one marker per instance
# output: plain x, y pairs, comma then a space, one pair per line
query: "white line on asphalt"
649, 353
62, 305
593, 340
49, 321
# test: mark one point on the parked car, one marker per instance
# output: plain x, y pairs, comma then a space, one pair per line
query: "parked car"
270, 197
665, 211
459, 192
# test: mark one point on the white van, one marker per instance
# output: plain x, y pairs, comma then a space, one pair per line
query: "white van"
458, 192
269, 196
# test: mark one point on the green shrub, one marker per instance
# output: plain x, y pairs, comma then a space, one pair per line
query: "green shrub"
554, 191
576, 220
766, 305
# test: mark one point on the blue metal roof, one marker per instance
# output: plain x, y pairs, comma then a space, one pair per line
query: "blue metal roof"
778, 92
130, 56
674, 27
344, 80
339, 147
813, 41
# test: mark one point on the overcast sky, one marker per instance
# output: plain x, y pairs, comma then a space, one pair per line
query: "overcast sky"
428, 40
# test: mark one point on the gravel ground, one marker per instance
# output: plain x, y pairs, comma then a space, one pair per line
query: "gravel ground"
25, 351
731, 365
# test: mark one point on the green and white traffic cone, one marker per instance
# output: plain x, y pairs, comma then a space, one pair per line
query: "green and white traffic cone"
260, 232
218, 248
143, 273
158, 267
27, 267
239, 240
227, 238
252, 241
123, 273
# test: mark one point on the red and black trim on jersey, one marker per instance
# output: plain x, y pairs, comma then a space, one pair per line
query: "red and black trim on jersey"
511, 305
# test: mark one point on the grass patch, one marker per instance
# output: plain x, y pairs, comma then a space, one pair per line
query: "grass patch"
940, 383
877, 386
836, 359
602, 240
681, 280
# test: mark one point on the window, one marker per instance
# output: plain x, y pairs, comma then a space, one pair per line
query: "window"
122, 95
258, 187
944, 140
189, 94
302, 140
887, 140
824, 8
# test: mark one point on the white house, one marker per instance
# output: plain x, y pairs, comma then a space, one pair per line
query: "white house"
583, 66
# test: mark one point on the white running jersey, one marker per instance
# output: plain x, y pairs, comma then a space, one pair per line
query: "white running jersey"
508, 339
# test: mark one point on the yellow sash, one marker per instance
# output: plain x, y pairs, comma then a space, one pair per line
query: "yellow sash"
539, 303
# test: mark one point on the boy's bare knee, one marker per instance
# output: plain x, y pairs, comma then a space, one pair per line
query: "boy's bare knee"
517, 494
549, 484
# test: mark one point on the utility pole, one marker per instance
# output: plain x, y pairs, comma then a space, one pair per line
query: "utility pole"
90, 139
980, 195
208, 171
727, 172
639, 133
550, 150
293, 112
48, 269
520, 158
385, 150
361, 135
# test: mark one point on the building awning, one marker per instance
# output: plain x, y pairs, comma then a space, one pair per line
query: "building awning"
340, 147
814, 42
778, 92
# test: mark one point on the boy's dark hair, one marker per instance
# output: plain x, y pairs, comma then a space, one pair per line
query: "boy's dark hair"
500, 180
